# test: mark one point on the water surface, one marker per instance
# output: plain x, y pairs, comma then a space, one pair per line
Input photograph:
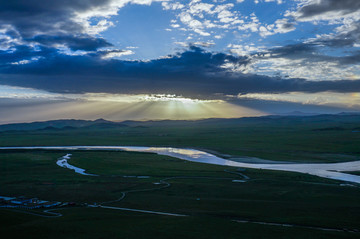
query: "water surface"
325, 170
63, 162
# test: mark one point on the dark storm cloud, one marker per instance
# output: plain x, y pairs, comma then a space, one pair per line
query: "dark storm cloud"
311, 52
30, 16
194, 73
345, 39
340, 11
317, 8
86, 43
37, 27
49, 22
24, 52
294, 51
353, 59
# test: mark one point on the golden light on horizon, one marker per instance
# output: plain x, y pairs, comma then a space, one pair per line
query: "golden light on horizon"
168, 106
132, 107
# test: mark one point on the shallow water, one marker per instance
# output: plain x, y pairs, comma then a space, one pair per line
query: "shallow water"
325, 170
62, 162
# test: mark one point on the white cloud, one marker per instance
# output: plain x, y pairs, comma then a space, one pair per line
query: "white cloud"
175, 25
303, 68
277, 1
253, 26
22, 62
172, 6
103, 12
351, 100
193, 24
117, 53
283, 26
201, 32
280, 26
198, 8
197, 43
245, 50
185, 17
6, 42
101, 26
25, 93
332, 11
198, 16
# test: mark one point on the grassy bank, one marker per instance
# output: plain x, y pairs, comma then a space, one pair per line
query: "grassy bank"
204, 192
299, 140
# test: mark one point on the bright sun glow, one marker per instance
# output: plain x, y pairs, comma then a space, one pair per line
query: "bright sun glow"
141, 98
118, 107
162, 106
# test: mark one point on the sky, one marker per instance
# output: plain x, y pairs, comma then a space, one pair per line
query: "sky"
168, 59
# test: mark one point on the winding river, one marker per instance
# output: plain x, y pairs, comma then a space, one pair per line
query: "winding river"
325, 170
63, 162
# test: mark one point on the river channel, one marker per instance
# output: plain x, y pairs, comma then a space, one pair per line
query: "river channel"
325, 170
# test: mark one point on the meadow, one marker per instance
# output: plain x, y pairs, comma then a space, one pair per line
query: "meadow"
206, 193
269, 204
300, 139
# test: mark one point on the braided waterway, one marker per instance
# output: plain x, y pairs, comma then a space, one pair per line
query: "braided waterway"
325, 170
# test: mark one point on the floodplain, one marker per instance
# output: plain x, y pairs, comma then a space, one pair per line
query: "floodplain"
218, 201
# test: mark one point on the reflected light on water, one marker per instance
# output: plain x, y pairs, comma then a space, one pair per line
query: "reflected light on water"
326, 170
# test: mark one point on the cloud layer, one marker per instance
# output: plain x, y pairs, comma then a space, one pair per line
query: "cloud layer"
194, 72
57, 46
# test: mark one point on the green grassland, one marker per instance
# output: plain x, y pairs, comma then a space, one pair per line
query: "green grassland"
291, 139
204, 192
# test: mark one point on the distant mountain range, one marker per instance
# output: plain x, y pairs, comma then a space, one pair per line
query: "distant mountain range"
60, 124
69, 124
